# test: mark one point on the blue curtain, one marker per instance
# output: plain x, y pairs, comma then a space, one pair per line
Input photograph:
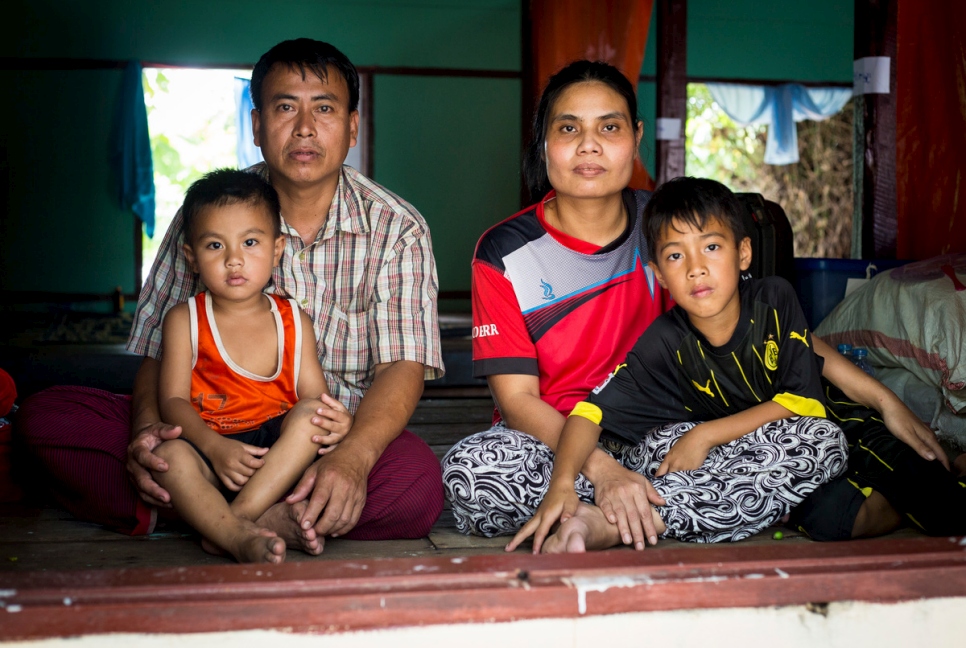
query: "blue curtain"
248, 153
779, 107
131, 149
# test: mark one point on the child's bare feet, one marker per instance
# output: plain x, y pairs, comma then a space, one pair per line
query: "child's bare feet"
587, 530
252, 544
283, 519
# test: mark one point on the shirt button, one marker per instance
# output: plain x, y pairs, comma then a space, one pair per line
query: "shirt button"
305, 302
302, 256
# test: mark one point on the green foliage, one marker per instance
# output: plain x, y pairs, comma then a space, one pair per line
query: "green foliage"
192, 127
816, 193
715, 146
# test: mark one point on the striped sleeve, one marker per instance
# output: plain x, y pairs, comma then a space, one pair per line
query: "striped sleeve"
404, 324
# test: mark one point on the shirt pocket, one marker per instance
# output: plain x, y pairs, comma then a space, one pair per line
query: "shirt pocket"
343, 342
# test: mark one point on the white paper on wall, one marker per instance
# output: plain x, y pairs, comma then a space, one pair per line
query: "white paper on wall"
870, 75
668, 128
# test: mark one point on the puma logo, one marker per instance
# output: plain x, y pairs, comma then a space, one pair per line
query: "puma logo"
706, 389
795, 336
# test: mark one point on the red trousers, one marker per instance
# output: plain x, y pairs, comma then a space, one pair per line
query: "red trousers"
80, 435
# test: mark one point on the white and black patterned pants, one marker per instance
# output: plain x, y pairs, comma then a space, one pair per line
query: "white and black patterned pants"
497, 478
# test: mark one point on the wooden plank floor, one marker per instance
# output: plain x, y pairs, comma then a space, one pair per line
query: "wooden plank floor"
42, 538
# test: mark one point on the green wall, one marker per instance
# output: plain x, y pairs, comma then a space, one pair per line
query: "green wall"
451, 146
440, 142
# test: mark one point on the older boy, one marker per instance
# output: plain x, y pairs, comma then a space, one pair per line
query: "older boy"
736, 355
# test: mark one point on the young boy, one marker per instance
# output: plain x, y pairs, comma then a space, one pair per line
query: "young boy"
239, 373
734, 354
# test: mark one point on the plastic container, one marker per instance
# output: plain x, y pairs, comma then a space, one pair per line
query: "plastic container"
820, 283
846, 350
859, 357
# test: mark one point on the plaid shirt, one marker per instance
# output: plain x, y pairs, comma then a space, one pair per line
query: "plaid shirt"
368, 281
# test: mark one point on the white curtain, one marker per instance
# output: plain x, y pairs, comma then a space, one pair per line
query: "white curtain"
779, 107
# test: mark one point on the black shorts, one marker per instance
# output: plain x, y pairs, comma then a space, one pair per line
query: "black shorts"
926, 495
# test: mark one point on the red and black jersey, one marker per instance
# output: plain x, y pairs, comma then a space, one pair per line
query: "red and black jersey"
549, 305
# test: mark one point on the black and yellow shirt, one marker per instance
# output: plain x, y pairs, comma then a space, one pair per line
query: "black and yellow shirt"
673, 374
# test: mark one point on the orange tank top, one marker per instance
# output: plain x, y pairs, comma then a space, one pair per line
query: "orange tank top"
229, 398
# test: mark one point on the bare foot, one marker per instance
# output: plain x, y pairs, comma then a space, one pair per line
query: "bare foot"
283, 519
212, 548
251, 544
587, 529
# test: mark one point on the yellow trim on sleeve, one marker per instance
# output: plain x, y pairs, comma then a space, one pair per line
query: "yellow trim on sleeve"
778, 327
799, 405
588, 411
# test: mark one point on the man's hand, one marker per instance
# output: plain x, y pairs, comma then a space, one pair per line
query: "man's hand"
141, 460
625, 497
688, 453
235, 462
335, 486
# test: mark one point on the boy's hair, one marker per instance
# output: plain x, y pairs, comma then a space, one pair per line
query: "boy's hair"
228, 187
302, 53
693, 201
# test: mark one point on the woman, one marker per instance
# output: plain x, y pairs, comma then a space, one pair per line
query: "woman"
561, 291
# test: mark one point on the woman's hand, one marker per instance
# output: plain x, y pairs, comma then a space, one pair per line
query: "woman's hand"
688, 453
559, 504
625, 498
235, 462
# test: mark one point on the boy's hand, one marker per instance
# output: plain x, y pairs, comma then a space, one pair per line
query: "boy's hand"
335, 419
908, 428
559, 504
235, 462
625, 498
688, 453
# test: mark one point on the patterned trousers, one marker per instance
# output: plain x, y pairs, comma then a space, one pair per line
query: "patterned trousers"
497, 478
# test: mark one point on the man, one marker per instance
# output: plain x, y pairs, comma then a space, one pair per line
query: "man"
358, 259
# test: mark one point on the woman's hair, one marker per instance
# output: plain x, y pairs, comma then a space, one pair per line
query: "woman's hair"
534, 164
693, 201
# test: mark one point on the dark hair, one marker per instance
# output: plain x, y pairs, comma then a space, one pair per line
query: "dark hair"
693, 201
534, 164
303, 53
228, 187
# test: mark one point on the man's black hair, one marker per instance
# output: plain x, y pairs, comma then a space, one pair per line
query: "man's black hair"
301, 54
228, 187
694, 201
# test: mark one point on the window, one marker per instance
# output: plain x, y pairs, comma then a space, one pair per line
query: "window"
816, 192
193, 120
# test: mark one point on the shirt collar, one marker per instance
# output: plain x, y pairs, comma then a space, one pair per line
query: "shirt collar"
347, 213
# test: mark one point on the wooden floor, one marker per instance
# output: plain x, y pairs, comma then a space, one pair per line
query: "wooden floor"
42, 537
60, 577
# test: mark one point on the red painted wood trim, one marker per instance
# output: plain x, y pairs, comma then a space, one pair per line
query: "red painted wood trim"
334, 596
